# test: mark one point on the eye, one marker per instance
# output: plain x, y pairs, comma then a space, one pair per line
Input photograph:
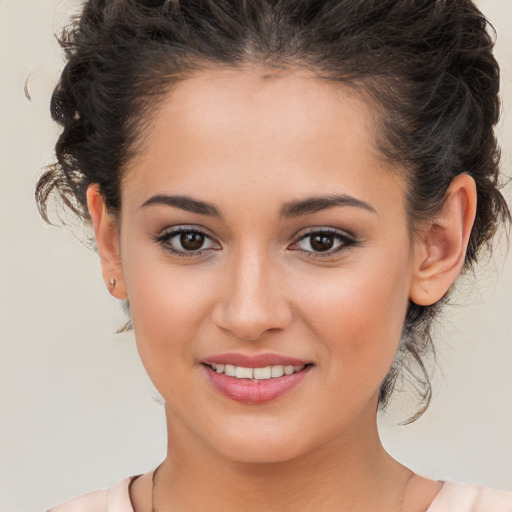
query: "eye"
184, 241
324, 242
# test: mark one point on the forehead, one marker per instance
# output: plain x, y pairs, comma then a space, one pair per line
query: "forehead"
286, 130
245, 103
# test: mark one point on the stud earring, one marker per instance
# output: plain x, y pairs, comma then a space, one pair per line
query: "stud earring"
112, 283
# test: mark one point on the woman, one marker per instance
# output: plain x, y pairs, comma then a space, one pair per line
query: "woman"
283, 193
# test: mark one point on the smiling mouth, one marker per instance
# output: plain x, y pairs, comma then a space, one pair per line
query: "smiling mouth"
266, 373
255, 385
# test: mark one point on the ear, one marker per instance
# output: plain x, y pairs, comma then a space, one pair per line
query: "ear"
440, 250
107, 241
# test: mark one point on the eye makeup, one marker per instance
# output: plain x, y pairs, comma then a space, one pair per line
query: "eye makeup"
321, 242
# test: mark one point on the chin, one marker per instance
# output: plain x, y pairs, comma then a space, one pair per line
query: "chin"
263, 444
258, 452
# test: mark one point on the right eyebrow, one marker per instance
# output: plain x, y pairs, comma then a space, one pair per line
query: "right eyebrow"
184, 203
317, 203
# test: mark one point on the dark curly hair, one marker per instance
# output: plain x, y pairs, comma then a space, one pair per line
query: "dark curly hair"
425, 66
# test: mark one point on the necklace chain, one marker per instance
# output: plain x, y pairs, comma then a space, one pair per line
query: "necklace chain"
153, 487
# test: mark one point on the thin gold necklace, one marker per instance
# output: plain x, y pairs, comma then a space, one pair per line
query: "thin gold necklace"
153, 487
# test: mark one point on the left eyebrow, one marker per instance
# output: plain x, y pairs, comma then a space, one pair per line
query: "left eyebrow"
316, 204
184, 203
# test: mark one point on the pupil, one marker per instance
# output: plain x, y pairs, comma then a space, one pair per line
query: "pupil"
322, 242
191, 241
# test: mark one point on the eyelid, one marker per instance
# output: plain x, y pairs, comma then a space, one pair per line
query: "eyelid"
167, 234
325, 229
179, 228
348, 241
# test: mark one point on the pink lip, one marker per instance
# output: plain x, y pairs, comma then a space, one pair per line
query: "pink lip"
251, 391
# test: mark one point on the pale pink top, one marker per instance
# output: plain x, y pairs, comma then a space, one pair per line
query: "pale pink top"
453, 497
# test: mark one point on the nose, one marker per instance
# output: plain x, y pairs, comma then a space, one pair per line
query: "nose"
254, 301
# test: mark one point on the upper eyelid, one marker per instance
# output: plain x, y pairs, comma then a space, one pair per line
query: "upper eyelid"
302, 232
332, 231
175, 230
185, 228
169, 232
164, 240
348, 240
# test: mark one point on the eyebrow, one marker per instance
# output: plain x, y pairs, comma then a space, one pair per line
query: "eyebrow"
289, 210
185, 203
315, 204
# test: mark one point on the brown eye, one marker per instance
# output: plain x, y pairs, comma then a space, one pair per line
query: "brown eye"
322, 242
187, 242
192, 241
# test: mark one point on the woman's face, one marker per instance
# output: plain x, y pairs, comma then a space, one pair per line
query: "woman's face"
260, 229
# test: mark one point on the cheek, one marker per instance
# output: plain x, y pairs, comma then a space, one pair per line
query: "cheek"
169, 308
358, 315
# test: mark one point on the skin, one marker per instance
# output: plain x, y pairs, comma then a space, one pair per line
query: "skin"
249, 145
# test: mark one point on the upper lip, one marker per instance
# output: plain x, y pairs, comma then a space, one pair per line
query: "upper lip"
254, 360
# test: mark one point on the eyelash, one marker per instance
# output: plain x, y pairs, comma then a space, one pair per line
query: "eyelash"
346, 242
165, 238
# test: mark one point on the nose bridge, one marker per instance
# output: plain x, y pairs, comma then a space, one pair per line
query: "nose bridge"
254, 302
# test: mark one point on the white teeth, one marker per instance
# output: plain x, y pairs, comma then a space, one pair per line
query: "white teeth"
230, 370
269, 372
277, 371
243, 373
263, 373
288, 370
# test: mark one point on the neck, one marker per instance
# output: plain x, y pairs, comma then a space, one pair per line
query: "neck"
348, 472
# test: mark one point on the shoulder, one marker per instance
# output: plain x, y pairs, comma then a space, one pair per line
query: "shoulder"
114, 499
95, 501
471, 498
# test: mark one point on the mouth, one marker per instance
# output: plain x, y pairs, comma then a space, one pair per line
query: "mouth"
265, 373
257, 381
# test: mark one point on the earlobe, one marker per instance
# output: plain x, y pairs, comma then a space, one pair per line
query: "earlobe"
106, 234
440, 249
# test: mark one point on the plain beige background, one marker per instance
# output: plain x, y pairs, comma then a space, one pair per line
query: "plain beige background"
77, 410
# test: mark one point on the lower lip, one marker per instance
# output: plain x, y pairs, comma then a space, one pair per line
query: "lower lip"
254, 391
